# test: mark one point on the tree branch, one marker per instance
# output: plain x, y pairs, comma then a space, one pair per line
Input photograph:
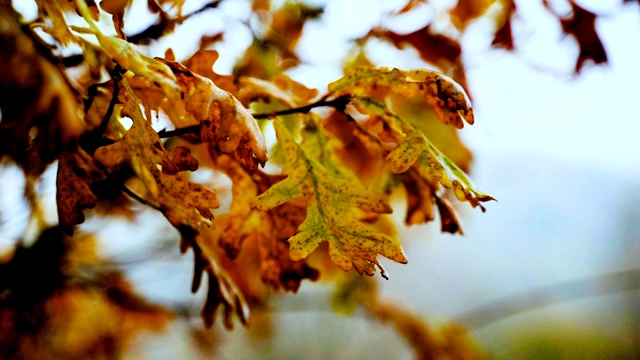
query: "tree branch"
337, 103
135, 196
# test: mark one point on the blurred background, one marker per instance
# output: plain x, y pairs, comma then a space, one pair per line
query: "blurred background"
549, 271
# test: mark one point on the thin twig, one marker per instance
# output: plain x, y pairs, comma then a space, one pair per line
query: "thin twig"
116, 74
135, 196
338, 103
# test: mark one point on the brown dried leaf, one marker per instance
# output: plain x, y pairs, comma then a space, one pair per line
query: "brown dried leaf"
221, 288
277, 269
503, 37
269, 229
202, 63
76, 173
581, 25
467, 10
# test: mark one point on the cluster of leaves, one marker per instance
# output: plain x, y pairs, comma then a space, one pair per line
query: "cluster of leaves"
387, 132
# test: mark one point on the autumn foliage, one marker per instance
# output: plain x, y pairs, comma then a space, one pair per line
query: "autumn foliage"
125, 128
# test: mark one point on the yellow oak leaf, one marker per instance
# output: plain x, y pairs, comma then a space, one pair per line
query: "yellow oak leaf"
331, 211
442, 94
223, 119
182, 202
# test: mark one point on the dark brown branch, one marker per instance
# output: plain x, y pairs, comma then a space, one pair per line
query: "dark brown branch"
339, 103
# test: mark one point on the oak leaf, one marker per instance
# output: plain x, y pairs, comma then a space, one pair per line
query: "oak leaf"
222, 120
434, 48
414, 147
186, 205
269, 229
331, 203
442, 94
76, 174
183, 203
130, 57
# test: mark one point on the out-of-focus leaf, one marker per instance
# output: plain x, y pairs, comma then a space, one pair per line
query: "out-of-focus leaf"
437, 49
442, 94
76, 173
581, 25
331, 201
263, 61
41, 115
273, 52
467, 10
49, 9
503, 37
202, 62
221, 288
411, 5
281, 89
72, 309
234, 227
116, 8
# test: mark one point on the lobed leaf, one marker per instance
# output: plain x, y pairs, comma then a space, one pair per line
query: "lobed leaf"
186, 205
432, 163
265, 231
331, 202
183, 203
441, 93
414, 147
76, 173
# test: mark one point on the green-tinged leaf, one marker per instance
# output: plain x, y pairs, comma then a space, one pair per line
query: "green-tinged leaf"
414, 146
332, 201
441, 93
